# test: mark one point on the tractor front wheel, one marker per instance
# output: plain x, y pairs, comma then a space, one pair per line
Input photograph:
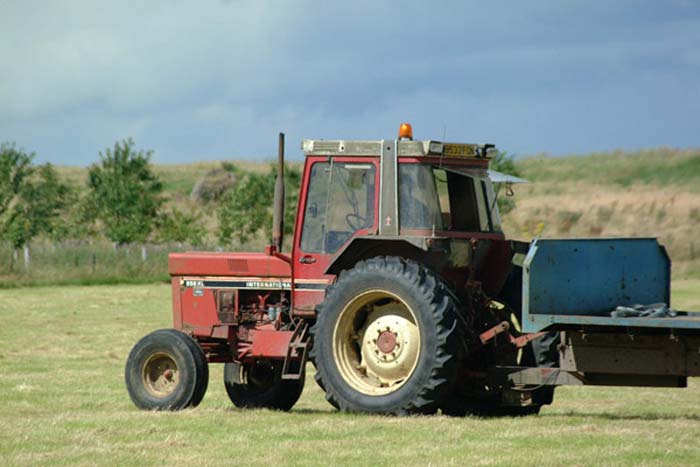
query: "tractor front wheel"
166, 370
387, 338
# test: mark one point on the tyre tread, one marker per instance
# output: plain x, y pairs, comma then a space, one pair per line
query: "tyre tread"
443, 311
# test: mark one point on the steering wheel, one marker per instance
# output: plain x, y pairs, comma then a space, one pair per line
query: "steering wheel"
353, 218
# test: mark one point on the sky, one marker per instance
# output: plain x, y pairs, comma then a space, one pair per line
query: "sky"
213, 80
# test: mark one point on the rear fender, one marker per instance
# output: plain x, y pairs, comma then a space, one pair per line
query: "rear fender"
363, 248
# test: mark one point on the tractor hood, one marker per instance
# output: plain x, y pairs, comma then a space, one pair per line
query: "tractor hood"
227, 264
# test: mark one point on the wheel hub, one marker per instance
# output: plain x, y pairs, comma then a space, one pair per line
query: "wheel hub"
386, 341
160, 375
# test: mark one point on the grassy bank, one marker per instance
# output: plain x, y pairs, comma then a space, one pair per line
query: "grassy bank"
653, 193
62, 352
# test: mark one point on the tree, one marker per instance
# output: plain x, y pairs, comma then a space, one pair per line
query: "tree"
504, 163
79, 216
15, 169
292, 180
247, 208
46, 200
124, 193
32, 201
15, 172
181, 227
42, 201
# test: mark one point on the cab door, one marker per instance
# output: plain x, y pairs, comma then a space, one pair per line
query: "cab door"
339, 202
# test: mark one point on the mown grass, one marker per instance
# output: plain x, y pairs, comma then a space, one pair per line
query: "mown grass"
62, 354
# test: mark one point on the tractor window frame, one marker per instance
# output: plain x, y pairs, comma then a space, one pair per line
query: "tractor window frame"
463, 201
333, 182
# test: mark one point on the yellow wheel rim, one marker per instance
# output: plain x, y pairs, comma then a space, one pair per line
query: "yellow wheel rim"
376, 342
160, 375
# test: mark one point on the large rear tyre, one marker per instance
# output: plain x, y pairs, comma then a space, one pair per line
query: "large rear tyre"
166, 370
260, 385
386, 339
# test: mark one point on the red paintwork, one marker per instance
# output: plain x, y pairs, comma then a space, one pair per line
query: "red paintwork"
495, 271
227, 264
177, 303
462, 162
386, 342
198, 313
269, 343
238, 327
306, 300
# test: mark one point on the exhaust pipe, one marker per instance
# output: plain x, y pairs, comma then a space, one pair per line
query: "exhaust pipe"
278, 207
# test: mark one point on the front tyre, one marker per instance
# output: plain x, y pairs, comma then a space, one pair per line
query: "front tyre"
386, 339
166, 370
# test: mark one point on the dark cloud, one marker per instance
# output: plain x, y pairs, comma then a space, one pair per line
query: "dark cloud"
206, 80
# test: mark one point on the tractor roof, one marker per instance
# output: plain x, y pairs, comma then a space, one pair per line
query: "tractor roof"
339, 147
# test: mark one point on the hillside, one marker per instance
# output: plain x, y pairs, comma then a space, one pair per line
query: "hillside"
653, 193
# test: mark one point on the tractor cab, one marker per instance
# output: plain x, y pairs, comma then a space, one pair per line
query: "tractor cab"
426, 200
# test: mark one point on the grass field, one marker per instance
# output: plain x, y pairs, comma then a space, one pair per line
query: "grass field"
62, 354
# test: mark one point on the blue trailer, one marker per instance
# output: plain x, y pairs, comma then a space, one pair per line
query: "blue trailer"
573, 287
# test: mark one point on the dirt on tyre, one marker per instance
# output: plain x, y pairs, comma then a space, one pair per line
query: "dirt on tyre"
166, 370
260, 385
387, 339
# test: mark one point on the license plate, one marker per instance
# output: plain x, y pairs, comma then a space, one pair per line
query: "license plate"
458, 150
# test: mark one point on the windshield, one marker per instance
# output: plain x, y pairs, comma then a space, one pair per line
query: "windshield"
440, 198
340, 201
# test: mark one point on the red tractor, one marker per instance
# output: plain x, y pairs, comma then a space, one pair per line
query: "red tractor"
400, 288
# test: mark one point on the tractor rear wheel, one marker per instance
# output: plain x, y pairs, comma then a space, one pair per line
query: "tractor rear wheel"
166, 370
387, 338
260, 385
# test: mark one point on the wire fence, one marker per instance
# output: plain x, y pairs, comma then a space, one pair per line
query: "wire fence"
45, 262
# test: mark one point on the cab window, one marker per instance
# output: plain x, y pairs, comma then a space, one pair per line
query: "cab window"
435, 198
340, 201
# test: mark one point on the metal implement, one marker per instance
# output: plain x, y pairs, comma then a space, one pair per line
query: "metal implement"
572, 282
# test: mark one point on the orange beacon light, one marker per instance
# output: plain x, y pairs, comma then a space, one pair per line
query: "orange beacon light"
405, 131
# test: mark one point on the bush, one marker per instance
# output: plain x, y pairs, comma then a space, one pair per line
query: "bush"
180, 227
125, 193
247, 208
